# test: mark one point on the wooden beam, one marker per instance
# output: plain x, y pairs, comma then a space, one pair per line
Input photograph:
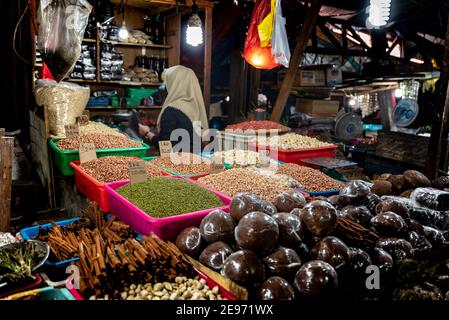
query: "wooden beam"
329, 35
437, 152
356, 36
394, 44
337, 52
301, 43
207, 55
6, 158
345, 43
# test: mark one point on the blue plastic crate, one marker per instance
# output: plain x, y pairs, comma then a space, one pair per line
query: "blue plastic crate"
98, 102
32, 232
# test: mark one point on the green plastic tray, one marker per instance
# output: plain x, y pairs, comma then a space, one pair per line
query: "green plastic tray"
63, 158
149, 159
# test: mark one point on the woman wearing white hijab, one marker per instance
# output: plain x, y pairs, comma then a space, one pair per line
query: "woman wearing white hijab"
183, 108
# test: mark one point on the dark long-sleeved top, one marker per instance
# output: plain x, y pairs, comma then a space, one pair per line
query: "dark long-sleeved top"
171, 120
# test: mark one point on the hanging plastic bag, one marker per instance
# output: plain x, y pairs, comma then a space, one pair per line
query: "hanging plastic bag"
279, 40
61, 30
265, 28
254, 54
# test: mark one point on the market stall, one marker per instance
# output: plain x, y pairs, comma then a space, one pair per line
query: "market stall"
320, 191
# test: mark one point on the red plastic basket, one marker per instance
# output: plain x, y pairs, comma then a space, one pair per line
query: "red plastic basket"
91, 187
166, 228
295, 156
211, 283
13, 289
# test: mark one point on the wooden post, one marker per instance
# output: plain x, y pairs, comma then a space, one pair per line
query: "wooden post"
301, 43
437, 154
207, 55
6, 158
386, 108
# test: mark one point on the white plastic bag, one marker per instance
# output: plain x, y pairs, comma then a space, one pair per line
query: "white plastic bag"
279, 40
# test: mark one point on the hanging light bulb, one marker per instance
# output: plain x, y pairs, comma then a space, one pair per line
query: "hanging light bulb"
352, 101
194, 34
399, 93
379, 13
123, 32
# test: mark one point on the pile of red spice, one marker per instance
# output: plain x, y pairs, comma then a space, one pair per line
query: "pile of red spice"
258, 125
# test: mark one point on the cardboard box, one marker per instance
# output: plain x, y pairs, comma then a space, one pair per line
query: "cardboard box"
310, 78
317, 107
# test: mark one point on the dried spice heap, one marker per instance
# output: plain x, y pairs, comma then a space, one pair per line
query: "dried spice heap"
101, 141
184, 163
165, 197
258, 125
109, 169
233, 181
312, 180
291, 141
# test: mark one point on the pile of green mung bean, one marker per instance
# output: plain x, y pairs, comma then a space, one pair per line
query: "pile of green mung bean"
162, 197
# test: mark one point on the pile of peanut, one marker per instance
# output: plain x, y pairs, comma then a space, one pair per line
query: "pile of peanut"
291, 141
231, 182
182, 289
183, 163
109, 169
101, 141
311, 179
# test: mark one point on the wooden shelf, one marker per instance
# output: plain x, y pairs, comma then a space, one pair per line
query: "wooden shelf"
120, 108
90, 40
118, 82
123, 44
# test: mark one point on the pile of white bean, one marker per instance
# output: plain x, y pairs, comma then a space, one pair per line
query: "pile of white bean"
182, 289
292, 141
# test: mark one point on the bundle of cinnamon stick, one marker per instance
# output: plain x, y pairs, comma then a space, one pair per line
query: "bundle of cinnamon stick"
64, 241
107, 268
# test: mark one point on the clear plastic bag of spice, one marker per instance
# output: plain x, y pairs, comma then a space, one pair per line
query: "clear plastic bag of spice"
61, 30
64, 101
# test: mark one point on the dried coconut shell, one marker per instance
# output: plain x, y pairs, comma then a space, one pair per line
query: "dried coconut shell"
416, 179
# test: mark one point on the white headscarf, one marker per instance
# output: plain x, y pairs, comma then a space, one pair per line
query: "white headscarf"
184, 94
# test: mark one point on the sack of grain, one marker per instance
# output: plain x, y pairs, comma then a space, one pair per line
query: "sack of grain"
64, 101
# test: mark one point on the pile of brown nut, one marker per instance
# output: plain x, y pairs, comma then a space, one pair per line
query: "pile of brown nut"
231, 182
109, 169
101, 141
183, 163
311, 179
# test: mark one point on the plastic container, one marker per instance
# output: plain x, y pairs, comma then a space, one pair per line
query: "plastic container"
327, 193
98, 102
63, 158
211, 283
166, 228
139, 93
295, 156
29, 285
32, 232
91, 187
44, 294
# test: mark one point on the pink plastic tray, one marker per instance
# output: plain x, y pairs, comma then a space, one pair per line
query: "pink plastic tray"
166, 228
